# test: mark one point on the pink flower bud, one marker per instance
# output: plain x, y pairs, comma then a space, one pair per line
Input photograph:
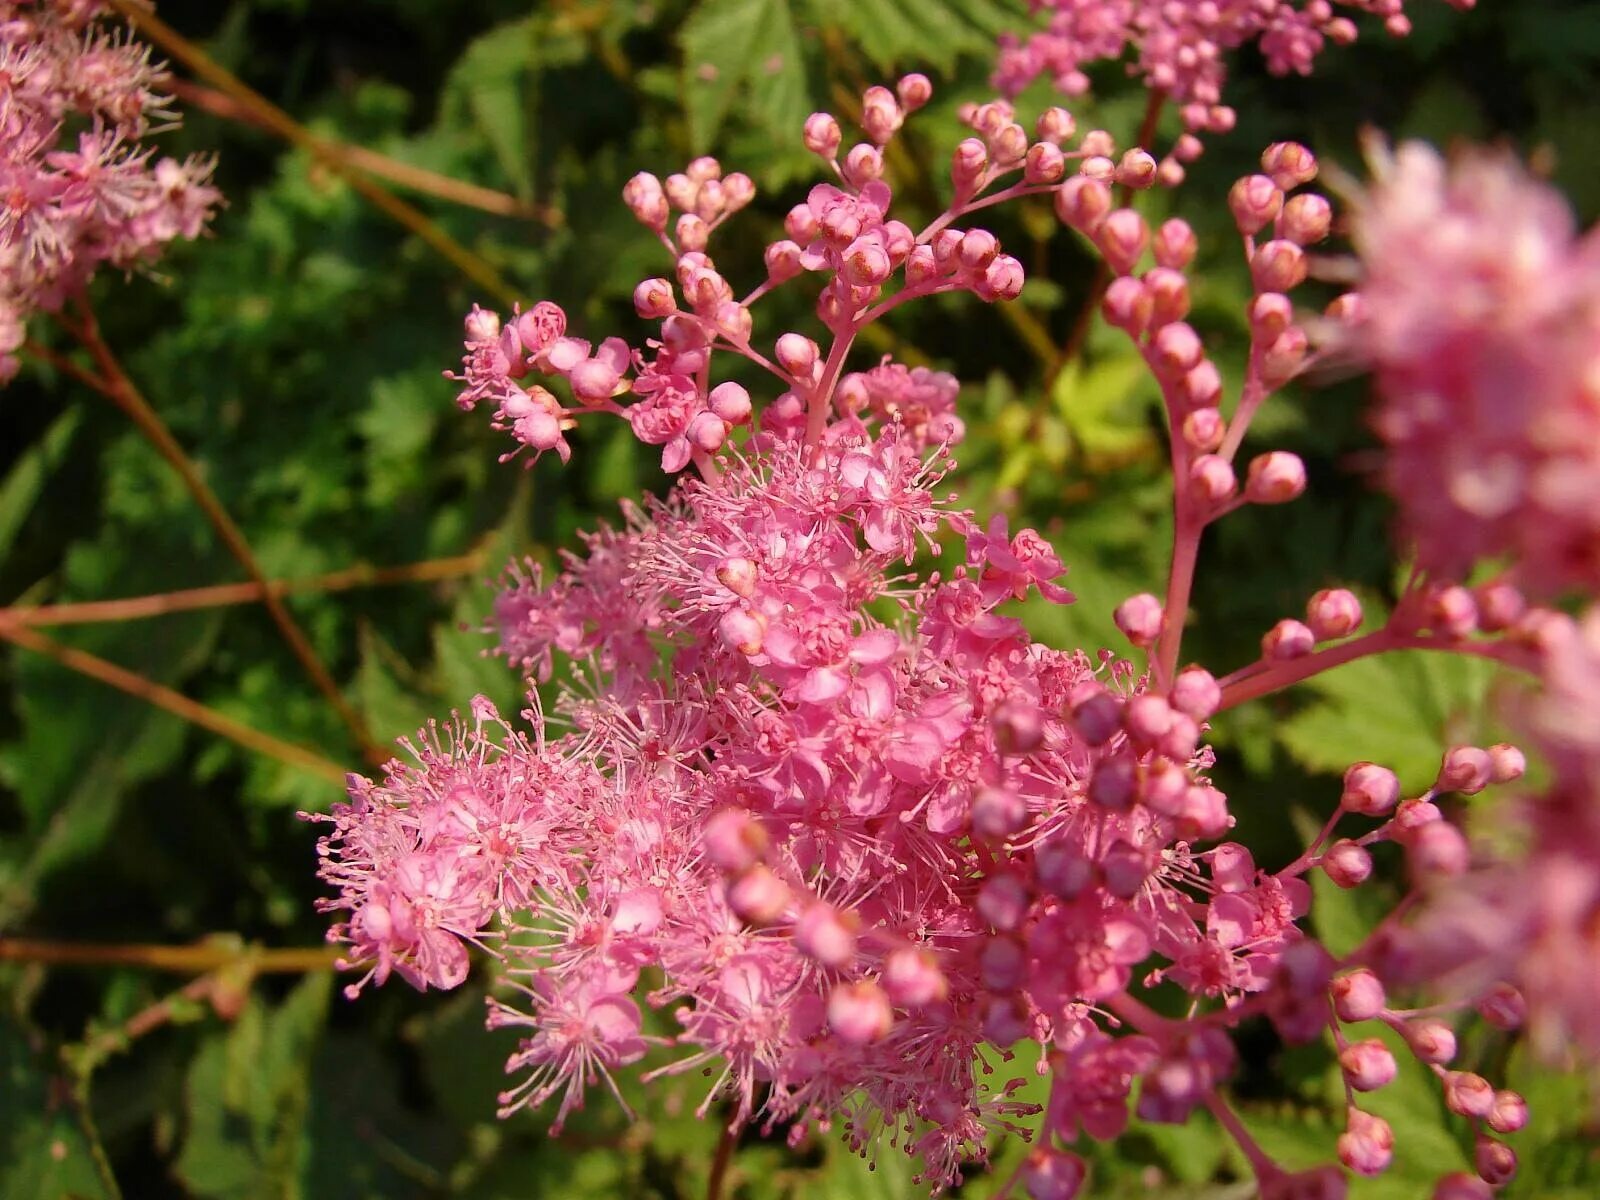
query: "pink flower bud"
1146, 718
1369, 789
730, 402
1140, 619
1281, 361
1055, 125
1467, 1094
866, 262
693, 233
1306, 219
703, 169
1278, 266
1453, 611
1465, 769
1018, 726
733, 319
1431, 1040
968, 165
1233, 868
881, 115
783, 260
593, 379
1368, 1065
1500, 606
825, 934
1061, 870
1175, 349
709, 201
796, 354
1137, 169
1503, 1007
822, 135
1195, 692
1496, 1162
1009, 145
922, 266
1115, 782
1211, 479
1271, 314
1164, 786
738, 189
706, 432
1358, 996
912, 977
859, 1012
739, 575
1097, 717
1051, 1174
1181, 739
1044, 163
1458, 1185
1175, 244
1122, 238
997, 813
1169, 295
1003, 902
1333, 613
1125, 868
1438, 848
1204, 816
646, 201
977, 249
1367, 1144
1506, 763
1508, 1114
757, 896
653, 298
914, 91
682, 190
1289, 163
801, 224
733, 840
1004, 1021
1083, 203
1287, 639
1002, 964
1126, 305
1275, 478
1317, 1183
1204, 430
1347, 864
482, 325
1255, 202
1412, 815
743, 631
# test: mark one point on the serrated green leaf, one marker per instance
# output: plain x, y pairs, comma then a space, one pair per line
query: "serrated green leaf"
497, 79
729, 45
46, 1153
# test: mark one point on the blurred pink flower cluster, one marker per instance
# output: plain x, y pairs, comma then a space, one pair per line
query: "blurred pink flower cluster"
79, 187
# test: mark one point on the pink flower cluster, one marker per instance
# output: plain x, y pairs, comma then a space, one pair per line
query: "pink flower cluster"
860, 835
78, 188
1479, 310
1181, 48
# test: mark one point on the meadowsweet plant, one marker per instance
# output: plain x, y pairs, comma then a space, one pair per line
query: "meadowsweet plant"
812, 791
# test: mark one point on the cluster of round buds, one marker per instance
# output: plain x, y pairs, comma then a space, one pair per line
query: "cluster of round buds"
702, 196
1368, 1064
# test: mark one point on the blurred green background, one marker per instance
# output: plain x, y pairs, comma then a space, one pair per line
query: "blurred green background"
297, 355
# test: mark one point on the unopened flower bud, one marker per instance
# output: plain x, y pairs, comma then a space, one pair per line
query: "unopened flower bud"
1002, 963
1367, 1144
1204, 816
1175, 350
653, 298
1097, 716
739, 575
1289, 163
1233, 868
1169, 295
646, 200
865, 262
1003, 902
1122, 238
1140, 619
1137, 169
1465, 769
1004, 1021
1496, 1162
731, 402
743, 631
693, 233
1281, 361
1147, 718
1062, 871
758, 896
1453, 611
1287, 639
1175, 244
1412, 815
1347, 864
997, 813
1275, 478
482, 325
859, 1012
796, 354
1115, 782
881, 115
1358, 996
1255, 202
1431, 1040
1018, 726
1009, 145
1044, 163
1333, 613
968, 165
1458, 1185
1271, 315
912, 977
1126, 305
1438, 848
1278, 266
1204, 430
1212, 479
1503, 1007
738, 189
783, 260
1083, 203
1195, 692
1051, 1174
1368, 1065
1002, 279
1369, 789
914, 91
706, 432
1055, 125
825, 934
1468, 1094
1500, 606
1508, 1113
733, 319
822, 135
1306, 219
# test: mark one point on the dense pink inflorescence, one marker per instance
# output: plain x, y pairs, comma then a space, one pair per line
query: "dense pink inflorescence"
79, 189
1479, 309
864, 836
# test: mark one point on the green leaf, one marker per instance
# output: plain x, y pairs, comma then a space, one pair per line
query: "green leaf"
899, 35
730, 45
496, 79
46, 1152
1398, 709
20, 491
